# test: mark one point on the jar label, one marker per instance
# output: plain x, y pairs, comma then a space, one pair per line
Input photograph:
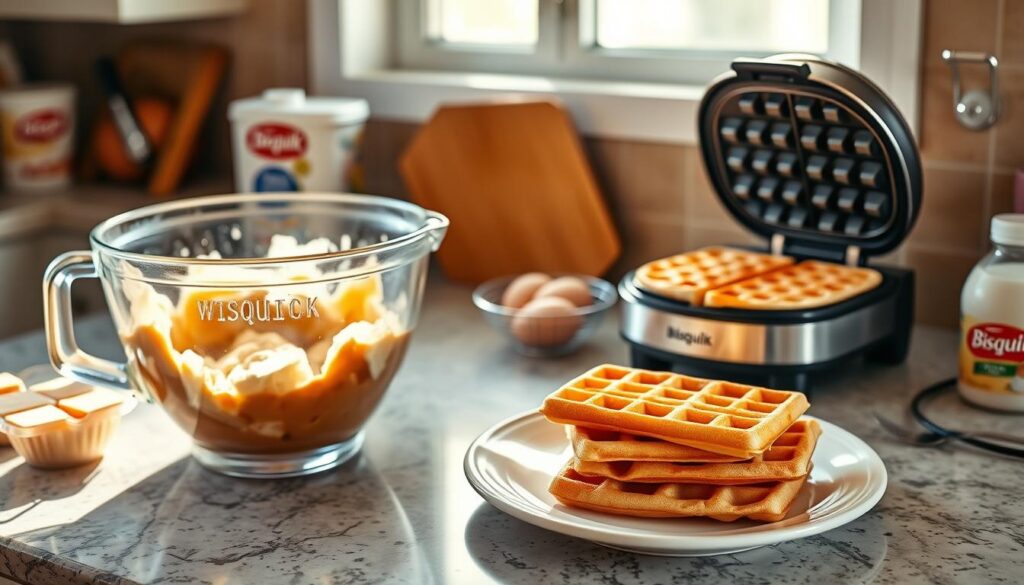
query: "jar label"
41, 126
991, 356
276, 141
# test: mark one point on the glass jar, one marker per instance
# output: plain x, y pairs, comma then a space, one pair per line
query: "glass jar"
991, 365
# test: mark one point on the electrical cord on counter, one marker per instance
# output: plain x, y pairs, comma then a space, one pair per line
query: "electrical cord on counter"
917, 411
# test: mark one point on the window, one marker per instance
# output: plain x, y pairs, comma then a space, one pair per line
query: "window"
688, 41
623, 68
498, 23
716, 25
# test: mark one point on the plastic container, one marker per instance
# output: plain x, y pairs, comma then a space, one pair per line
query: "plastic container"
545, 336
68, 442
991, 368
38, 122
55, 423
267, 326
284, 141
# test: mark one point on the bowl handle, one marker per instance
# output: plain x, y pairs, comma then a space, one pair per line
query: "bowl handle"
65, 355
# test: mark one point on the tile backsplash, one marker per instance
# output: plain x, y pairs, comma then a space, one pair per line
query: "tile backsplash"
968, 175
663, 202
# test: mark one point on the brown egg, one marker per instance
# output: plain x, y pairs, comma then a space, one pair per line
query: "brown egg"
570, 288
545, 322
521, 290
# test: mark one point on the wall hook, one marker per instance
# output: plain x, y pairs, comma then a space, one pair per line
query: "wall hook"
976, 109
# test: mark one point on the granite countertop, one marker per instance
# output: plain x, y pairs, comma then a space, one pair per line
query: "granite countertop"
403, 512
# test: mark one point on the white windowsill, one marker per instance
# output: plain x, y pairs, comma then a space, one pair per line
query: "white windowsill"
639, 111
351, 56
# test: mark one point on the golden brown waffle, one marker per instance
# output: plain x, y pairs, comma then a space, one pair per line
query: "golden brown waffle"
721, 417
768, 502
687, 277
597, 445
788, 458
802, 286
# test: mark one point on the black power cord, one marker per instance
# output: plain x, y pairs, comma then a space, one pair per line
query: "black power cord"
917, 410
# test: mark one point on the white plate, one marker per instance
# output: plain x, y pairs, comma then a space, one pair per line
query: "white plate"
512, 464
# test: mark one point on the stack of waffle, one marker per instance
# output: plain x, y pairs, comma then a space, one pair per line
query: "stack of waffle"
659, 444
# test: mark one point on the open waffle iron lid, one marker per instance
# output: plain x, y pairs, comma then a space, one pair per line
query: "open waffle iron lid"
811, 155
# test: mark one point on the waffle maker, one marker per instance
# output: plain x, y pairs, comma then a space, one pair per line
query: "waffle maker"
813, 157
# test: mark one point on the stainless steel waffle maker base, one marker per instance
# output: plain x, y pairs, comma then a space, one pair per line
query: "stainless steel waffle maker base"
777, 349
817, 160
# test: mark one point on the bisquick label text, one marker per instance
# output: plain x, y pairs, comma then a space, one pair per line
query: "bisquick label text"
996, 340
253, 311
688, 337
276, 141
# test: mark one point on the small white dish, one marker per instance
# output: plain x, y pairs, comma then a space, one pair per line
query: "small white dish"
511, 465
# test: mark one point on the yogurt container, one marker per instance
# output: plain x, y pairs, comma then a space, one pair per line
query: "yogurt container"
38, 124
284, 141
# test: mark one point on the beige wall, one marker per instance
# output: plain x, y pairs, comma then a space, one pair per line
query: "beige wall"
660, 196
663, 202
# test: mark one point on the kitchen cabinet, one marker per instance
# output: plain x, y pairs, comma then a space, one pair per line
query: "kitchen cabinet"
119, 11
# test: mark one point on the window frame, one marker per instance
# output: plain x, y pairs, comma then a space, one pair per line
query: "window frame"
566, 47
352, 54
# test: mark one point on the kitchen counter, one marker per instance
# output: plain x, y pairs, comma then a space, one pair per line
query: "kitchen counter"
403, 512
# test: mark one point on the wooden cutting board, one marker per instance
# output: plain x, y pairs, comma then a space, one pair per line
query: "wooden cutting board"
514, 181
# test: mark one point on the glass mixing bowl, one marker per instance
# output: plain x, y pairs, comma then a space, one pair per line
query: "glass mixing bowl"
267, 326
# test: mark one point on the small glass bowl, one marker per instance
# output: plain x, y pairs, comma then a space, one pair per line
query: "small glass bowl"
537, 336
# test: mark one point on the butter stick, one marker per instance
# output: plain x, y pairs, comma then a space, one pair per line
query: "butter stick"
10, 383
18, 401
85, 404
37, 417
60, 388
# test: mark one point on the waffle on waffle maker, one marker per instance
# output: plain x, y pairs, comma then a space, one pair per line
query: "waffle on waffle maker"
816, 159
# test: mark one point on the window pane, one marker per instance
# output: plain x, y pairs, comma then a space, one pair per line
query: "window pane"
494, 22
753, 25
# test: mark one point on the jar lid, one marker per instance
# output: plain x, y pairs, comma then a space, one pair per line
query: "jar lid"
32, 93
1008, 229
293, 102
